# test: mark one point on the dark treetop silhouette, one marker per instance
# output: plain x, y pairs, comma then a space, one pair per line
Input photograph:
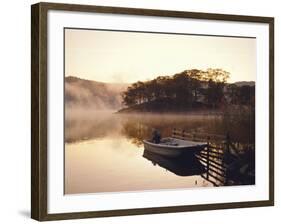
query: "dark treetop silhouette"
188, 90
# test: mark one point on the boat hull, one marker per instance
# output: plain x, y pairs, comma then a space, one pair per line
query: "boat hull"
162, 151
172, 152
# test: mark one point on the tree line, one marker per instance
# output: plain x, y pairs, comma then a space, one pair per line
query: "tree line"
190, 88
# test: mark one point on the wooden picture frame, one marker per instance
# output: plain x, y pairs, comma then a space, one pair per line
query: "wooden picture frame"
39, 110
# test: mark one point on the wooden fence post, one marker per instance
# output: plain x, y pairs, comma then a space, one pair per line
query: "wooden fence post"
208, 156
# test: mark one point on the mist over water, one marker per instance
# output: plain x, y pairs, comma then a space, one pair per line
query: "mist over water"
81, 124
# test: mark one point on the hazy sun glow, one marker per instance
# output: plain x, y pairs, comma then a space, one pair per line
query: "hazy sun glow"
116, 57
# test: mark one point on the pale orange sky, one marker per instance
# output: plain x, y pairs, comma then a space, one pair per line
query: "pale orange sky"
126, 57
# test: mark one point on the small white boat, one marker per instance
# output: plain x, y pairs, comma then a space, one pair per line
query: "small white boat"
172, 147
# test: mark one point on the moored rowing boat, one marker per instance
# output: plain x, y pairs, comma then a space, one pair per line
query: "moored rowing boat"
172, 147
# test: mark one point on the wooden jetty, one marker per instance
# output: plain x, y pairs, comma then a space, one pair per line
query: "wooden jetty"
226, 162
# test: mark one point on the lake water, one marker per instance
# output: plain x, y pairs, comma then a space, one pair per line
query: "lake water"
104, 152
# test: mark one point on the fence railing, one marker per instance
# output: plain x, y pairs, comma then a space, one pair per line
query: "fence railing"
197, 136
213, 156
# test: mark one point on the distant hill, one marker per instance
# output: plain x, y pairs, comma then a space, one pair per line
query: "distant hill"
245, 83
107, 96
92, 94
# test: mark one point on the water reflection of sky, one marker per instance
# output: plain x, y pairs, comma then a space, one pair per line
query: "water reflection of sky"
116, 164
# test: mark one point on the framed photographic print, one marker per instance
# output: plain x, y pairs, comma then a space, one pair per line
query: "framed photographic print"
141, 111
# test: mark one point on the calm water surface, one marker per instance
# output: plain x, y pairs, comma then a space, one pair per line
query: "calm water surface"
104, 152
